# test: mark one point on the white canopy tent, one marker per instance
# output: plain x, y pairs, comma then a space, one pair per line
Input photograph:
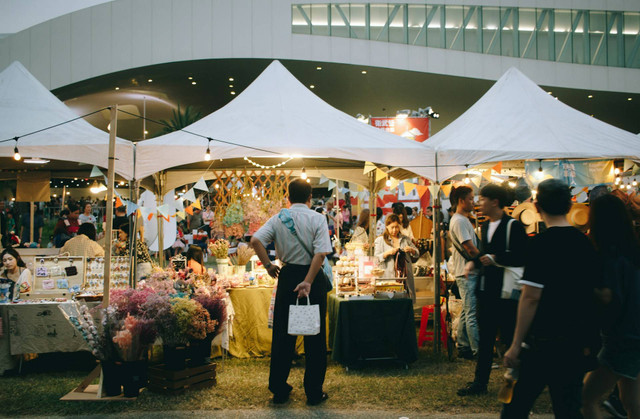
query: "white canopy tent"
518, 120
27, 106
279, 116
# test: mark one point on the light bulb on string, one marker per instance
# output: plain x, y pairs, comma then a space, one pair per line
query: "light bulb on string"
16, 153
308, 180
207, 154
618, 180
634, 183
616, 171
303, 175
467, 180
628, 186
388, 182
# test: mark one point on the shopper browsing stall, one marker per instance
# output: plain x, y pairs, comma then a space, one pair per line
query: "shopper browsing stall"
299, 277
142, 252
395, 253
361, 233
14, 277
84, 244
195, 260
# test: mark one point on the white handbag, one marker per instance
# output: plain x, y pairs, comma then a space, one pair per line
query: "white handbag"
512, 275
304, 320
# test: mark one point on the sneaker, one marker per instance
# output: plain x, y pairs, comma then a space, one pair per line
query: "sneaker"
614, 407
472, 389
282, 398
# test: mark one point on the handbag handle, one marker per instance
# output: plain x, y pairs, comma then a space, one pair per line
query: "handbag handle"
308, 301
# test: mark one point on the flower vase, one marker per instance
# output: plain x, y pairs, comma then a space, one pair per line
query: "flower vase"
134, 377
200, 351
111, 378
175, 357
239, 270
223, 266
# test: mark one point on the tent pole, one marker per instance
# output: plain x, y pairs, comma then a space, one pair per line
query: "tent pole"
109, 223
64, 192
372, 211
159, 200
31, 217
436, 266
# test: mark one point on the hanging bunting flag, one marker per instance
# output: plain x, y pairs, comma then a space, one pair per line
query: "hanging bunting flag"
434, 189
190, 195
95, 172
197, 204
394, 183
353, 200
181, 214
118, 202
178, 204
636, 169
144, 212
498, 167
164, 209
487, 175
323, 179
201, 185
344, 190
331, 185
380, 174
421, 190
628, 164
131, 207
115, 192
368, 166
381, 193
408, 187
476, 180
189, 210
446, 189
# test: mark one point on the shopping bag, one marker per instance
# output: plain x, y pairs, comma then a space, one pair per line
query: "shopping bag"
304, 320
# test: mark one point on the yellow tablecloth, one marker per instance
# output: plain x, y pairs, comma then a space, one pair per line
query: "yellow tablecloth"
251, 335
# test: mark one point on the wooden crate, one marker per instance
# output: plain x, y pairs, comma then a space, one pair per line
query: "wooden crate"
166, 381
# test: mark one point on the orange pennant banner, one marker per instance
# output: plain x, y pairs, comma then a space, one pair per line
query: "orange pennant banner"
149, 217
189, 210
498, 167
118, 202
421, 189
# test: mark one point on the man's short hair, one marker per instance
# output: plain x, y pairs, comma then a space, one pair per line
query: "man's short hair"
522, 193
492, 191
458, 193
299, 191
88, 229
121, 209
554, 197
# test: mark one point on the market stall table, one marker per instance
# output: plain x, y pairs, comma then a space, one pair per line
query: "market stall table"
361, 330
36, 328
250, 334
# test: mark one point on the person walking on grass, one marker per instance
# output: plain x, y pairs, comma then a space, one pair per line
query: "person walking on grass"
300, 277
556, 325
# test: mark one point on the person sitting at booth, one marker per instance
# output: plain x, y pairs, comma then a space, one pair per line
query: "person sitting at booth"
386, 251
84, 244
142, 252
195, 260
15, 277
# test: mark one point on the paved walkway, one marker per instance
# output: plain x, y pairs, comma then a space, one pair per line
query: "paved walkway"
285, 413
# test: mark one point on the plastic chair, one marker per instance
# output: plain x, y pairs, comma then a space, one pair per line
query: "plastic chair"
427, 336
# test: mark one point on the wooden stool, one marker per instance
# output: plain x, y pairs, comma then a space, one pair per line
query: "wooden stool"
427, 336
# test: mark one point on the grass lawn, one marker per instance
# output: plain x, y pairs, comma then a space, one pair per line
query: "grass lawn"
429, 385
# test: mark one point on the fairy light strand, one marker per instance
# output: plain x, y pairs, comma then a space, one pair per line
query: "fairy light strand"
273, 166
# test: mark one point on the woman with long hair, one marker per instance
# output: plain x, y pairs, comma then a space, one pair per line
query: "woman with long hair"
195, 260
401, 212
15, 277
361, 233
395, 253
619, 292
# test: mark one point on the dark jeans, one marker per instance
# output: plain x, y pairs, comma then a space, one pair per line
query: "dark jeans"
494, 314
283, 344
552, 364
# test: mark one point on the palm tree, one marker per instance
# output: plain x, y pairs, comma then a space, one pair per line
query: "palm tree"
180, 119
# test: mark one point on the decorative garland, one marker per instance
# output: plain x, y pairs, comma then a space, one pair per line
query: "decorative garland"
268, 167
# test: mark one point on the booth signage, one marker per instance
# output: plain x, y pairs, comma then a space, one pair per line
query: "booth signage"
411, 128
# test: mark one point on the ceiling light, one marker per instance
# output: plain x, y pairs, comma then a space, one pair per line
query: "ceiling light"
69, 193
308, 180
230, 78
629, 99
618, 180
117, 88
96, 187
364, 71
590, 97
318, 68
388, 182
233, 93
403, 113
312, 86
193, 82
146, 132
150, 80
190, 78
231, 86
216, 186
634, 183
616, 171
628, 186
36, 160
122, 183
304, 173
16, 154
550, 93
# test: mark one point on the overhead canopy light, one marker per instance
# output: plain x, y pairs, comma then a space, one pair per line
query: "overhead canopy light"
36, 160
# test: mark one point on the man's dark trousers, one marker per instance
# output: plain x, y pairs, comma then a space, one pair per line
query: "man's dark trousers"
283, 344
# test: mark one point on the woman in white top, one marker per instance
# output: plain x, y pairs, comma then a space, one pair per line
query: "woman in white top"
86, 216
388, 245
361, 233
405, 228
15, 277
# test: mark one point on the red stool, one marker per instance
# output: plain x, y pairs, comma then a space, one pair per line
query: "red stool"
427, 336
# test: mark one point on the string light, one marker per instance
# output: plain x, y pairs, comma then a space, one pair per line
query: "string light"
388, 182
616, 171
303, 175
467, 180
273, 166
207, 154
308, 180
16, 153
635, 183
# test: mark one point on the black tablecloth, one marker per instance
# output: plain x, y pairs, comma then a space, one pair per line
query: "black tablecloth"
371, 329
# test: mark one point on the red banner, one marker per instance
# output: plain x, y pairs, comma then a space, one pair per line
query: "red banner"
411, 128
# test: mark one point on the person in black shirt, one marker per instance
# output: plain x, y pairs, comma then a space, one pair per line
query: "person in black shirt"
120, 218
556, 324
496, 307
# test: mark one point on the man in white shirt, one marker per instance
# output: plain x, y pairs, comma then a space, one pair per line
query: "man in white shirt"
299, 277
465, 243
